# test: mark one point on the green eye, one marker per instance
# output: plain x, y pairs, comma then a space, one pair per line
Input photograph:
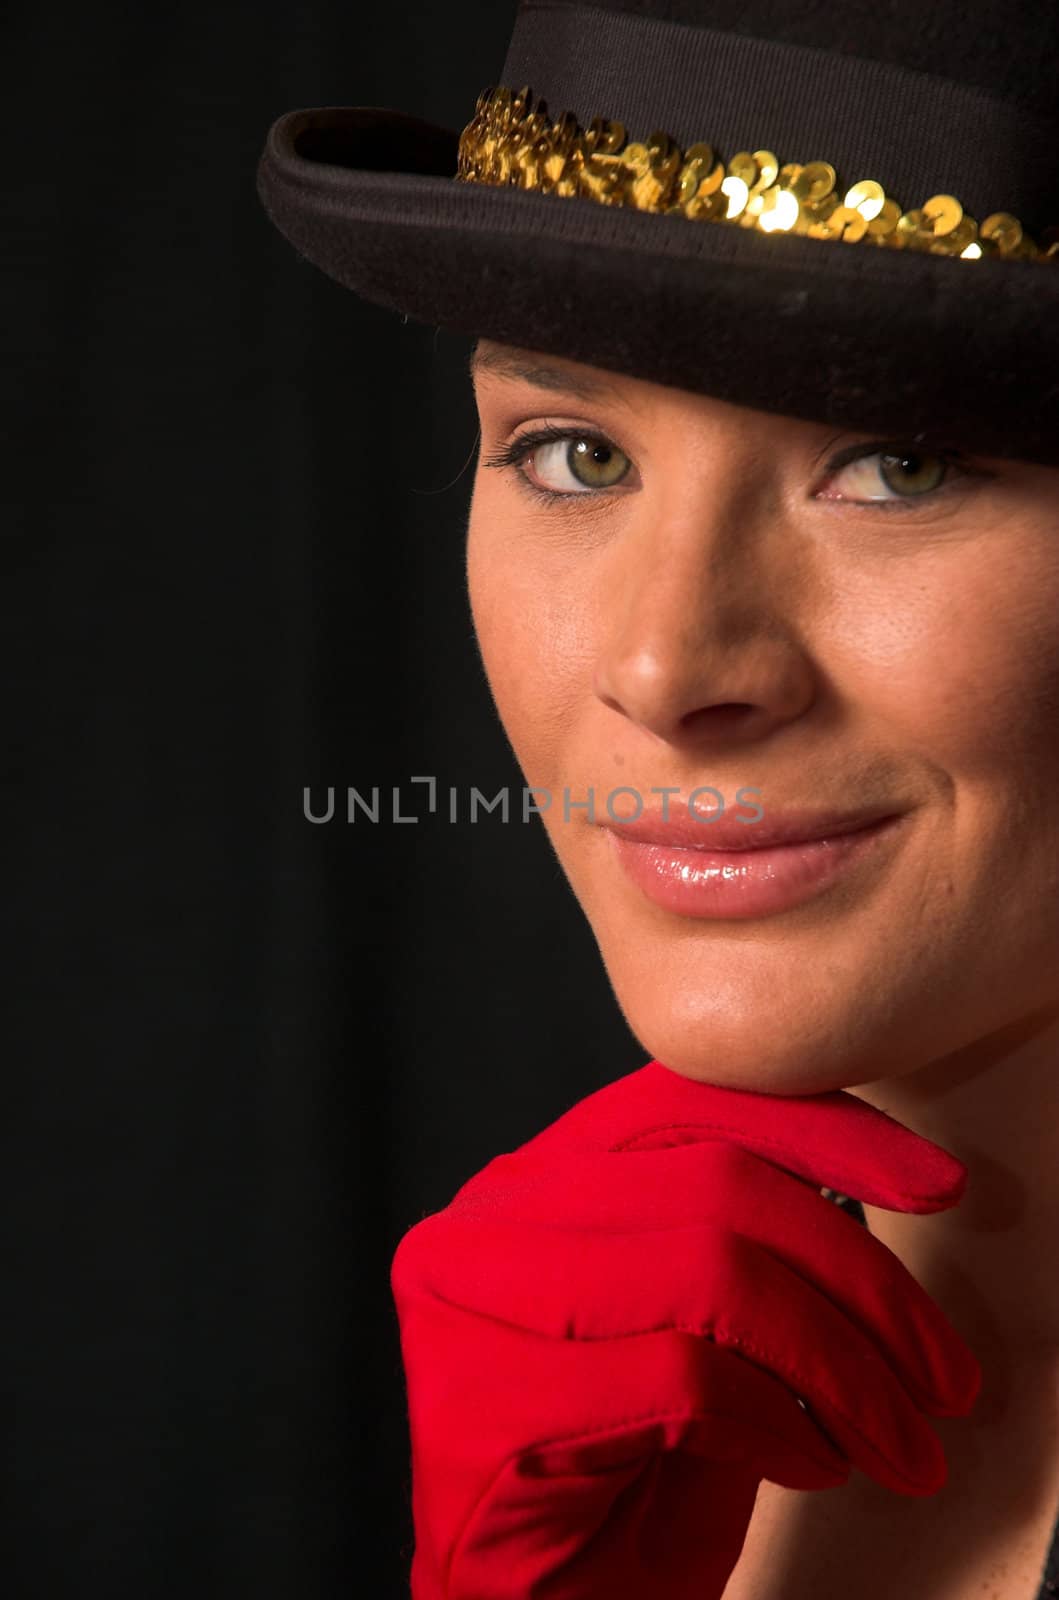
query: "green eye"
912, 473
589, 460
885, 474
889, 473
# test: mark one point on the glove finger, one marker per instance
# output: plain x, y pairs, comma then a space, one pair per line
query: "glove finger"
673, 1526
656, 1504
598, 1406
706, 1280
604, 1196
774, 1318
830, 1139
749, 1303
870, 1285
588, 1404
670, 1390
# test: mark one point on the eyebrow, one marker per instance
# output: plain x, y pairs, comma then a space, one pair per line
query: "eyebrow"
507, 364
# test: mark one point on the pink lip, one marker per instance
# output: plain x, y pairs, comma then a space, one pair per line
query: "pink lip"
745, 879
725, 831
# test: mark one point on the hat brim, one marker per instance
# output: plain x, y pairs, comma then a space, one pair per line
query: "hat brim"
870, 339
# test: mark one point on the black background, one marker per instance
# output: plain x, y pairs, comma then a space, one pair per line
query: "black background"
248, 1051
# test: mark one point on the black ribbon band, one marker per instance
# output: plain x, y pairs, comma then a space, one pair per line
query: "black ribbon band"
915, 133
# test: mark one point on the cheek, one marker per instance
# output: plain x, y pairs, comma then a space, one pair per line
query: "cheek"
960, 659
957, 670
535, 631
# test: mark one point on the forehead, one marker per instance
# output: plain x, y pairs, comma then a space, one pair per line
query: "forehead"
514, 365
491, 362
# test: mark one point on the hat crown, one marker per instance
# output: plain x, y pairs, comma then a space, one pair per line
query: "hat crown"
1010, 52
929, 101
950, 98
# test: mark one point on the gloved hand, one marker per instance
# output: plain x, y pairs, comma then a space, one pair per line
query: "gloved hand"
609, 1332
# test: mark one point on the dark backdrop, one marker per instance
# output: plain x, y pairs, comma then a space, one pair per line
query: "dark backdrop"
246, 1052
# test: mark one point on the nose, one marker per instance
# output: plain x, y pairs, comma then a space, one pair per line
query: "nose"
705, 625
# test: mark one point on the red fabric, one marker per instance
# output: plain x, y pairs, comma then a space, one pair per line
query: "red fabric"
606, 1335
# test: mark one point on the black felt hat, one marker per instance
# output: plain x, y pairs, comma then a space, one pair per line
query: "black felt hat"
591, 206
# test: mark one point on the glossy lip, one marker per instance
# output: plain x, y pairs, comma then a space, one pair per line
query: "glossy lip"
695, 881
727, 833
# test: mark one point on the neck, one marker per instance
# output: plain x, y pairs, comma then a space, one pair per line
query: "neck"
990, 1261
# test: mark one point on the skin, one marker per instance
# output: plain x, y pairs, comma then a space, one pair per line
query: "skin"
729, 614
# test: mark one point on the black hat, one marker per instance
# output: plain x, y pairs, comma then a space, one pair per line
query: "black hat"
845, 212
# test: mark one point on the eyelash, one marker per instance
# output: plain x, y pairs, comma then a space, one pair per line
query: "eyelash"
515, 453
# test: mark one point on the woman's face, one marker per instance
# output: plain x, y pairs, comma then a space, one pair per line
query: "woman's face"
709, 602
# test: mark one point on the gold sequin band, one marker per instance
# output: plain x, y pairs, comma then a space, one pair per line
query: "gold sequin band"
511, 142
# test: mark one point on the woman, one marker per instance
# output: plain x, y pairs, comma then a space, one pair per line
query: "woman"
763, 557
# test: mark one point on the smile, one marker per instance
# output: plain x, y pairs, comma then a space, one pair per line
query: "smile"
725, 884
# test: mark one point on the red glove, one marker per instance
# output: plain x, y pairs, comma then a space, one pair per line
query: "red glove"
608, 1332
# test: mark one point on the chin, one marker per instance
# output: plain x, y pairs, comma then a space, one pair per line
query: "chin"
764, 1071
816, 1042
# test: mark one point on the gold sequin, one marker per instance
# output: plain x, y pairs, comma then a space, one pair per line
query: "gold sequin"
513, 142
